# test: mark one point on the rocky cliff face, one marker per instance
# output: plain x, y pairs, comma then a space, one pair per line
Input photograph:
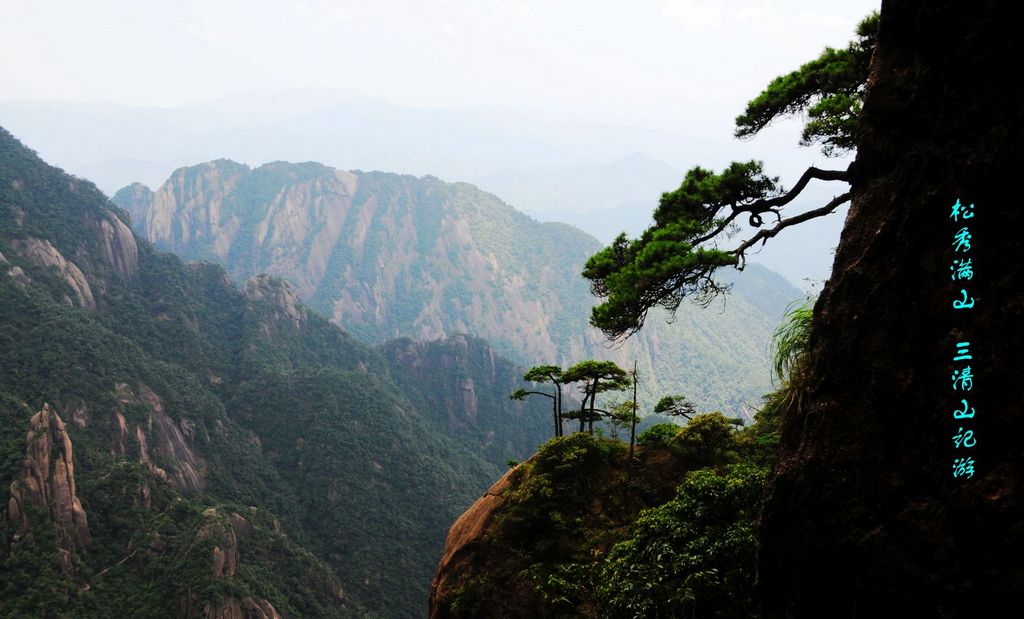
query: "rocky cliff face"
463, 539
42, 254
162, 444
45, 491
465, 386
117, 244
86, 246
384, 255
277, 294
388, 256
865, 518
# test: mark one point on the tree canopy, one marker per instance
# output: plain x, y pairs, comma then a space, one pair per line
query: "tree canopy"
677, 256
545, 374
675, 406
597, 377
828, 90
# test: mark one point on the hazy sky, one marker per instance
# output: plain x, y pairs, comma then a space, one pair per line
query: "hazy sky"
685, 65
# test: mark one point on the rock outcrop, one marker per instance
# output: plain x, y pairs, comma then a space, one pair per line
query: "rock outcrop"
502, 556
220, 533
246, 608
42, 253
118, 245
278, 294
45, 490
463, 538
164, 445
865, 517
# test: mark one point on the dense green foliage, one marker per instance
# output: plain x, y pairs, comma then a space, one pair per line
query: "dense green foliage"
707, 439
693, 556
585, 534
247, 424
658, 434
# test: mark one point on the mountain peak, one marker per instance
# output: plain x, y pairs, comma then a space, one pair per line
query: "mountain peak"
276, 292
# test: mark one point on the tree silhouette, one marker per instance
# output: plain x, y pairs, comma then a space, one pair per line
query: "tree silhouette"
675, 406
545, 374
677, 256
597, 377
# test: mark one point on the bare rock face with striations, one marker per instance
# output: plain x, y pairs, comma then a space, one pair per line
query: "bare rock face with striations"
196, 198
164, 445
47, 484
42, 253
118, 245
278, 294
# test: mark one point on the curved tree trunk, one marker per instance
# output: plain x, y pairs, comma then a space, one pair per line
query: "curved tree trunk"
864, 518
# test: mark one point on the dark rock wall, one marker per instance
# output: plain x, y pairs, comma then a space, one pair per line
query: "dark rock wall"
864, 518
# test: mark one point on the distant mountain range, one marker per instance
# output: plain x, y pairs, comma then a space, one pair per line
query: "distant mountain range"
386, 255
603, 179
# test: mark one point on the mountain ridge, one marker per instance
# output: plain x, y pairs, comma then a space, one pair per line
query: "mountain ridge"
387, 255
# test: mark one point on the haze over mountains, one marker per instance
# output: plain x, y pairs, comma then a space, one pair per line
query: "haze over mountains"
385, 255
255, 423
601, 178
170, 441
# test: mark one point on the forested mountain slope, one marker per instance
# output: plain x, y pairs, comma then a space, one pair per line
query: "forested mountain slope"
176, 445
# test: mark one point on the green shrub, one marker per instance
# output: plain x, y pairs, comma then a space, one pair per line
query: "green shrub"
658, 434
693, 556
707, 439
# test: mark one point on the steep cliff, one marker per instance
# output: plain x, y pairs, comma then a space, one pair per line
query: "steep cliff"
579, 530
388, 256
465, 386
865, 517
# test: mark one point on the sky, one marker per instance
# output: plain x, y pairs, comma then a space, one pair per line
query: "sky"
680, 65
682, 68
